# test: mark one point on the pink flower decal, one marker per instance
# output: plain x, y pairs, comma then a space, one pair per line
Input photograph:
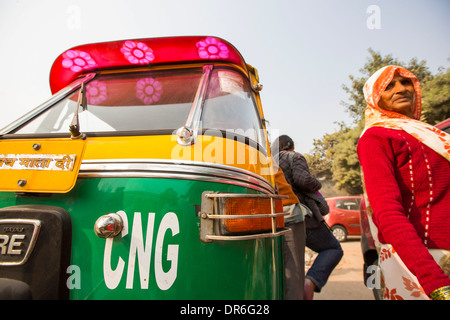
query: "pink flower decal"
137, 53
148, 90
96, 92
212, 48
76, 60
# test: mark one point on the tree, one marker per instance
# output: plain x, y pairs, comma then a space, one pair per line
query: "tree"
345, 167
320, 158
436, 98
334, 161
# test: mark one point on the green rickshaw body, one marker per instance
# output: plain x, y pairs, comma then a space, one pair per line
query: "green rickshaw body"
111, 209
159, 255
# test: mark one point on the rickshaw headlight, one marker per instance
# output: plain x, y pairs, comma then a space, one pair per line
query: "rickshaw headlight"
232, 216
238, 206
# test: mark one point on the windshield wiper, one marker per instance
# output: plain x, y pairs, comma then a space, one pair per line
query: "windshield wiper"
74, 127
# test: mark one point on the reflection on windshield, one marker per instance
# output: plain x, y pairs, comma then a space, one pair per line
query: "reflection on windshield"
230, 106
157, 100
127, 102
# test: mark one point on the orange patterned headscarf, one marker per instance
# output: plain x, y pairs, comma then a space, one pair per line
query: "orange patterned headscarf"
375, 116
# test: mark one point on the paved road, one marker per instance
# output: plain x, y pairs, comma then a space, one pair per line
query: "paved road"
346, 281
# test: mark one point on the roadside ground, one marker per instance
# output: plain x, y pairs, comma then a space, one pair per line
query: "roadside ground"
346, 282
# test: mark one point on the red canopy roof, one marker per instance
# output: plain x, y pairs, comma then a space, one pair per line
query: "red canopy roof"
126, 53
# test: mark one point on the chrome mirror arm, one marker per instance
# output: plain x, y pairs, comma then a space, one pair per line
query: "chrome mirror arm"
74, 127
187, 134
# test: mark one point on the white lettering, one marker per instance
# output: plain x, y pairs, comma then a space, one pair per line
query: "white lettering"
112, 277
142, 252
13, 243
197, 310
3, 243
166, 279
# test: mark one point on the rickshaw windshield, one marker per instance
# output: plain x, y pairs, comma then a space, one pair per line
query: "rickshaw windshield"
156, 100
230, 106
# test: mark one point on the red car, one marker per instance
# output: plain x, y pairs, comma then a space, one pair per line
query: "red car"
344, 218
444, 125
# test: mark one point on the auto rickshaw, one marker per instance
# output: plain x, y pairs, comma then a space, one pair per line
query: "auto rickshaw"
147, 175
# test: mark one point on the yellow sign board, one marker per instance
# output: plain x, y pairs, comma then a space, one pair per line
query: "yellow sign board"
40, 165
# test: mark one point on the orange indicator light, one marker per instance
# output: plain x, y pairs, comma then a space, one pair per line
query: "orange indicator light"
249, 206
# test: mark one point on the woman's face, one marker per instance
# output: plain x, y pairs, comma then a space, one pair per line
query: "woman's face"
398, 96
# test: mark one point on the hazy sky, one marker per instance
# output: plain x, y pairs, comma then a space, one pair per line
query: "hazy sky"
304, 50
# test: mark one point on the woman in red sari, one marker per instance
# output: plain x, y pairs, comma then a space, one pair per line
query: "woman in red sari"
406, 173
